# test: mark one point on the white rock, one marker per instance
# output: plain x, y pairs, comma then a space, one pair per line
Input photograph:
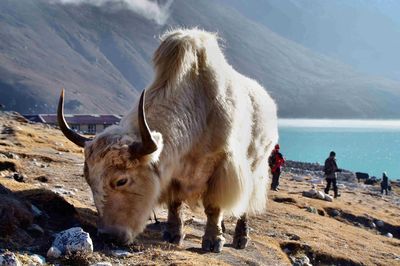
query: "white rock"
121, 253
103, 263
38, 259
54, 252
316, 181
298, 178
389, 235
62, 191
320, 195
313, 192
328, 198
73, 240
9, 259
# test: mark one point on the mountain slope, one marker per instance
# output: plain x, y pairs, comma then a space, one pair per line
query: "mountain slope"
366, 36
103, 57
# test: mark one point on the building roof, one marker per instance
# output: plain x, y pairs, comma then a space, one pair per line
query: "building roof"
76, 119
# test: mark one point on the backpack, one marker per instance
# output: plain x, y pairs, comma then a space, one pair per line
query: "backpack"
271, 160
327, 168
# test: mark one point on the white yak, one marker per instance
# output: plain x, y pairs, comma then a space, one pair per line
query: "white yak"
201, 133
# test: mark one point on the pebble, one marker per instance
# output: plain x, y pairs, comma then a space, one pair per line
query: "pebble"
102, 263
380, 223
294, 237
121, 253
54, 252
62, 191
298, 178
72, 240
335, 213
389, 235
9, 259
372, 225
320, 195
328, 198
38, 259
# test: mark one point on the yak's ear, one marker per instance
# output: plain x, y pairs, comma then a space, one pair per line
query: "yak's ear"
158, 138
135, 149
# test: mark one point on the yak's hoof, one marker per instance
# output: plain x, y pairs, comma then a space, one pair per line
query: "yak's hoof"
240, 242
213, 245
173, 238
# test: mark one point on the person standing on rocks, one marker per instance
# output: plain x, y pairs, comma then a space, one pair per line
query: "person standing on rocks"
330, 170
275, 162
384, 183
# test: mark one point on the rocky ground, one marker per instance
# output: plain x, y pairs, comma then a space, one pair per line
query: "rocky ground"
43, 192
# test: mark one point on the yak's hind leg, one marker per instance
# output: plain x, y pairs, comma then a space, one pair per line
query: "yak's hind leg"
213, 239
174, 233
241, 236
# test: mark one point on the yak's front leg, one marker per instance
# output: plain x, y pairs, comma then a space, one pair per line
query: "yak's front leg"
213, 239
174, 233
241, 237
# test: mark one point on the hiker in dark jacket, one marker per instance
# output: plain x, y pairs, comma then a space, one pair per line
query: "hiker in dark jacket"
384, 183
330, 170
275, 162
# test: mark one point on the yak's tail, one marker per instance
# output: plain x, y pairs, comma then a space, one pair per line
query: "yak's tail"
184, 52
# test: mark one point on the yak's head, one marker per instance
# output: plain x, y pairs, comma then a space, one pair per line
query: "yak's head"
122, 172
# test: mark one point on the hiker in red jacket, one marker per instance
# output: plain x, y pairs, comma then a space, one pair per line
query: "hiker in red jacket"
275, 162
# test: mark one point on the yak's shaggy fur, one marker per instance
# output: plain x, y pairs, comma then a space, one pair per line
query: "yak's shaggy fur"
214, 130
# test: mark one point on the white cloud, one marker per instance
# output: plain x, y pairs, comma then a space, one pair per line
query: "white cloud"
146, 8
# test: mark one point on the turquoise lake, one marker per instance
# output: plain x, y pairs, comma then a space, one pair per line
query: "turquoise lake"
370, 146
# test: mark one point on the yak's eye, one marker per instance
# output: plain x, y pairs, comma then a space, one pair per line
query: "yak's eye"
121, 182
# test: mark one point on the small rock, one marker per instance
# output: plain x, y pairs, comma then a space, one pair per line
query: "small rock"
320, 195
372, 225
380, 223
62, 191
294, 237
9, 259
54, 252
38, 259
11, 155
121, 253
335, 213
358, 224
102, 263
73, 240
389, 235
328, 198
298, 178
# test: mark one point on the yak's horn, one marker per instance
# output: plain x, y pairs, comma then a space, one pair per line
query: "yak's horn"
66, 130
148, 144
